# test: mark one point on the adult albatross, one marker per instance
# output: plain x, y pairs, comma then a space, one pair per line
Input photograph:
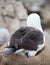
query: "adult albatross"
29, 39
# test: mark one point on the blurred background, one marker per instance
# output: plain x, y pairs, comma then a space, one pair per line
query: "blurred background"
14, 13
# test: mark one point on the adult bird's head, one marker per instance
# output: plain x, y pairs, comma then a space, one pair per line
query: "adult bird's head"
34, 21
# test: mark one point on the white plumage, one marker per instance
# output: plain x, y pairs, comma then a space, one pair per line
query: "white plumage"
34, 21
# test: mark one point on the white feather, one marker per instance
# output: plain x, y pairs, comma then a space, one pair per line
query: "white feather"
34, 21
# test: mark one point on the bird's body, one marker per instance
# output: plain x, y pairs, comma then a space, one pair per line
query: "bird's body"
29, 38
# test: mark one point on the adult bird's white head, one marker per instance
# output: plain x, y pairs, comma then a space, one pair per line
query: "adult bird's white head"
34, 21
